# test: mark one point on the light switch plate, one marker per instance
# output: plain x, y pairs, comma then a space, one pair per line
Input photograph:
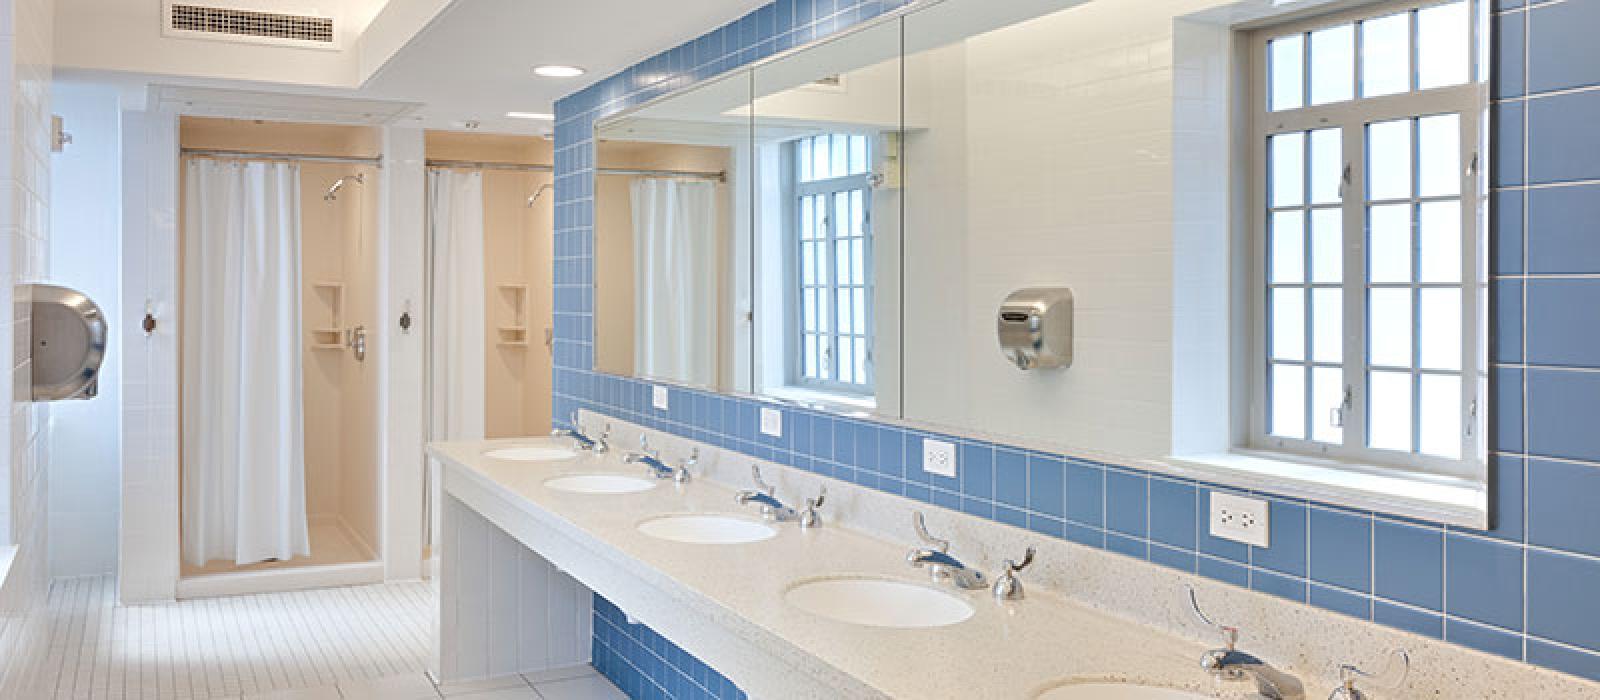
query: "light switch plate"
939, 457
772, 422
658, 397
1240, 519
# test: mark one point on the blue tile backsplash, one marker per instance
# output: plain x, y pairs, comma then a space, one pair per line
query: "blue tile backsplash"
1525, 589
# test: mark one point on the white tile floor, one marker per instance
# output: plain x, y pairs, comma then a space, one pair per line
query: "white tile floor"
335, 644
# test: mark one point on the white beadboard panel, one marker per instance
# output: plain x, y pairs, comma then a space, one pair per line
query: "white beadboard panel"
229, 647
503, 609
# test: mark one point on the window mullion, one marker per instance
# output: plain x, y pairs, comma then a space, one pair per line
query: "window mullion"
1355, 285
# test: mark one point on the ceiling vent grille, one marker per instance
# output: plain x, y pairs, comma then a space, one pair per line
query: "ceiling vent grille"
251, 24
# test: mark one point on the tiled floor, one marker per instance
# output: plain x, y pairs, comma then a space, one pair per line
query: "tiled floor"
337, 644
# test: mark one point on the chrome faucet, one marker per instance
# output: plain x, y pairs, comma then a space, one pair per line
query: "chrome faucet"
652, 460
774, 509
1230, 664
598, 445
1349, 674
938, 560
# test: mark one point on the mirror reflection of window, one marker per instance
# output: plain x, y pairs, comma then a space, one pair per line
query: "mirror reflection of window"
832, 310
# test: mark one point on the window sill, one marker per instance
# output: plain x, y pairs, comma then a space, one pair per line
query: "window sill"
834, 402
1434, 498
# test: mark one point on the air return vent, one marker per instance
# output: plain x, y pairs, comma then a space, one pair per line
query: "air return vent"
249, 25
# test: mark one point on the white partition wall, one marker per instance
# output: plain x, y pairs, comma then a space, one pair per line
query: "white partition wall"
502, 608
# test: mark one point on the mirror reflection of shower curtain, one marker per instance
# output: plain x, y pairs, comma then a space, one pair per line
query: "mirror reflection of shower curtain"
675, 279
456, 356
243, 433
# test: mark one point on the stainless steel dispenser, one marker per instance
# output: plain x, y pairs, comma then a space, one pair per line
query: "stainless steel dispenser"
1035, 328
68, 343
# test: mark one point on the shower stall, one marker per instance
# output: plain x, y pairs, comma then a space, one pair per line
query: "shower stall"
279, 468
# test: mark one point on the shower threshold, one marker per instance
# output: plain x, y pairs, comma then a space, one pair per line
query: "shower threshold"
338, 558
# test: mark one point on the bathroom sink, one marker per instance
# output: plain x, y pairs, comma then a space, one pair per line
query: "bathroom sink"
875, 602
707, 529
531, 454
600, 483
1108, 690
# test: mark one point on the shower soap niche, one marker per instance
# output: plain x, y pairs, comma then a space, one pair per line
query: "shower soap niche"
330, 336
515, 333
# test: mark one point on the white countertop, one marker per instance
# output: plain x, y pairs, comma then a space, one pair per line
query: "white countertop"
1005, 650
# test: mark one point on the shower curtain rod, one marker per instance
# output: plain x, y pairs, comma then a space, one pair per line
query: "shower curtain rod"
374, 161
474, 165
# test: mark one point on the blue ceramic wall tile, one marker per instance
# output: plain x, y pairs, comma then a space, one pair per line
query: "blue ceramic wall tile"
1562, 604
1085, 492
1510, 53
1409, 619
1561, 322
1279, 585
891, 452
1564, 505
975, 467
1046, 485
1565, 659
1505, 321
1341, 549
1130, 546
1225, 571
1563, 229
1505, 409
1506, 520
1341, 601
1484, 638
1173, 558
1561, 409
1126, 502
1172, 513
1085, 535
1011, 478
1562, 52
1485, 580
1286, 545
1408, 564
1563, 144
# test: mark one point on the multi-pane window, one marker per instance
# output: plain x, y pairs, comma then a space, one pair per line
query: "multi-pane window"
1367, 128
833, 249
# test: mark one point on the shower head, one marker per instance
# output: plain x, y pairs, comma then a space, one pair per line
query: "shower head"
537, 193
333, 192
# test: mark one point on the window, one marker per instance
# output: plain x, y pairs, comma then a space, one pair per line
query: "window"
1366, 141
832, 244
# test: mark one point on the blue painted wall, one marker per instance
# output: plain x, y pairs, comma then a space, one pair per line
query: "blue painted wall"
1527, 589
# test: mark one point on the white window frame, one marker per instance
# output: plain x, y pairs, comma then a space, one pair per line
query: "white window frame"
796, 192
1469, 100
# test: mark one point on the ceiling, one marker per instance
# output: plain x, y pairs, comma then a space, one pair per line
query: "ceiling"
474, 60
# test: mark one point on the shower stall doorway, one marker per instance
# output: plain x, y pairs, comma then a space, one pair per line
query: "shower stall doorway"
489, 262
279, 472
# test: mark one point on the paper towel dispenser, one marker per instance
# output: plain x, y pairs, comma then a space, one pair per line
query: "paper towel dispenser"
68, 343
1035, 327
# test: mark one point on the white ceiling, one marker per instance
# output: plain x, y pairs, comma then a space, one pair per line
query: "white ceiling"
474, 60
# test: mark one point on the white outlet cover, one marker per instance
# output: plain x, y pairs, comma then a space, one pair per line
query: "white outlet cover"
772, 422
658, 397
939, 457
1240, 519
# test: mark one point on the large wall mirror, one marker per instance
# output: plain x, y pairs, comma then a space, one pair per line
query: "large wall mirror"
1269, 216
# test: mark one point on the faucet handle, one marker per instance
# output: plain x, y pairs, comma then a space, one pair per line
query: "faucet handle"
1007, 586
1349, 674
810, 518
755, 475
644, 445
1230, 634
922, 532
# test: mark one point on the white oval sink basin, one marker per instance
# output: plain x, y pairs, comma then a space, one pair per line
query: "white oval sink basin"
600, 483
879, 603
1107, 690
531, 454
707, 529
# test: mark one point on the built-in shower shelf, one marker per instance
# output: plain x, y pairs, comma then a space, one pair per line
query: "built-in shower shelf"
514, 334
513, 337
331, 336
327, 339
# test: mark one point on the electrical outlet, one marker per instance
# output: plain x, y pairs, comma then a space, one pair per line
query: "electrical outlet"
772, 422
1240, 519
939, 457
658, 397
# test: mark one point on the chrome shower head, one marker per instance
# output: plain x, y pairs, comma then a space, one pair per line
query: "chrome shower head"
333, 192
537, 193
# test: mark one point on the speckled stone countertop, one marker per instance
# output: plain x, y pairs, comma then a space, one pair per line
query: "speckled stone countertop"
1005, 650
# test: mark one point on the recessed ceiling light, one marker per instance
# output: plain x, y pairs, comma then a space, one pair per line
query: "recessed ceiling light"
531, 115
557, 71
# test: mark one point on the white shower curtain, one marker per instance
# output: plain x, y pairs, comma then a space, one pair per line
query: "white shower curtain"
455, 208
675, 279
243, 443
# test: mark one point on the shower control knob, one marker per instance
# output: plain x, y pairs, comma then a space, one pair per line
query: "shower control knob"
405, 320
149, 323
